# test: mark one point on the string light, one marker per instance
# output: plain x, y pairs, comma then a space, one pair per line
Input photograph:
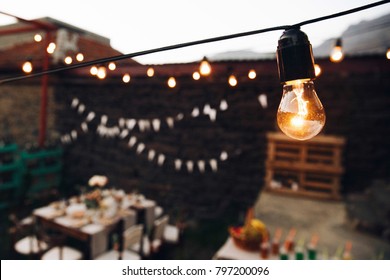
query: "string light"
126, 78
205, 67
93, 70
150, 72
38, 38
232, 80
79, 57
27, 67
196, 75
112, 66
197, 42
252, 74
300, 114
337, 54
101, 73
171, 82
388, 53
51, 48
68, 60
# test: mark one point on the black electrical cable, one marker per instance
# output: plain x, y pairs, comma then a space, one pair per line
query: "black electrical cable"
193, 43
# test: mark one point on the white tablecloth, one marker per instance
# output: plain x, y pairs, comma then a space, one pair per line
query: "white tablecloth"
99, 234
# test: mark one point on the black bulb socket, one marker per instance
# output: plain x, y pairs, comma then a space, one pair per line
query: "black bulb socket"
295, 56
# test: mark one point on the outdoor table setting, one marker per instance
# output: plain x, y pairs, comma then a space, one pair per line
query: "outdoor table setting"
91, 217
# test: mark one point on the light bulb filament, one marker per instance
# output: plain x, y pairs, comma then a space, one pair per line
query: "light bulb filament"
302, 104
297, 121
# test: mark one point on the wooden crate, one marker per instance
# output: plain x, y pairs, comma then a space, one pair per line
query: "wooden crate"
307, 168
10, 176
43, 169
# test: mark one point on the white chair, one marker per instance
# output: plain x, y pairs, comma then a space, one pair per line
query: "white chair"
58, 250
152, 246
171, 234
62, 253
158, 211
131, 238
30, 245
158, 233
24, 240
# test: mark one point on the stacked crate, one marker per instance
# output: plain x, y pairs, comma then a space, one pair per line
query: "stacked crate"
43, 170
10, 175
311, 168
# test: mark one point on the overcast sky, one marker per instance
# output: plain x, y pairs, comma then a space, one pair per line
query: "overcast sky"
145, 24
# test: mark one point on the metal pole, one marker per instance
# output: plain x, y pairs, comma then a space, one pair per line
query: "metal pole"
44, 91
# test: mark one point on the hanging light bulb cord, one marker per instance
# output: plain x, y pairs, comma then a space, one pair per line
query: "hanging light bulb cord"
193, 43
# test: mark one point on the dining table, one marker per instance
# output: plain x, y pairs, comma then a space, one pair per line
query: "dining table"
94, 227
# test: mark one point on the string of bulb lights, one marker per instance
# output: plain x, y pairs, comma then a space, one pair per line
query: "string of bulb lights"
300, 114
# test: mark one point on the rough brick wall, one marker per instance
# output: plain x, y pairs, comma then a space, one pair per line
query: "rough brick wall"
20, 107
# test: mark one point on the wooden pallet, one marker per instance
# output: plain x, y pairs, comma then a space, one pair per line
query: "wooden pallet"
309, 168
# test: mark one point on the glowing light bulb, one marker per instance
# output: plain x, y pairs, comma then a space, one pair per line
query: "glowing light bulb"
196, 75
68, 60
51, 48
101, 73
301, 114
93, 70
150, 72
112, 66
126, 78
232, 80
38, 38
205, 68
337, 54
252, 74
80, 57
171, 82
388, 53
27, 67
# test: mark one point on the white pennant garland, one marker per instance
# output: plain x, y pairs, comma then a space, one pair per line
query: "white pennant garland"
124, 133
156, 123
125, 126
160, 159
151, 155
132, 141
84, 127
195, 112
190, 166
224, 156
170, 122
122, 122
178, 164
263, 100
213, 164
223, 106
90, 116
131, 123
104, 119
140, 148
81, 109
75, 102
201, 166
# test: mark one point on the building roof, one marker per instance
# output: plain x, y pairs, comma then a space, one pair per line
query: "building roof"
17, 44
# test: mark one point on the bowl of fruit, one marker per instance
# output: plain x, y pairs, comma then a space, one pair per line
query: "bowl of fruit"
249, 236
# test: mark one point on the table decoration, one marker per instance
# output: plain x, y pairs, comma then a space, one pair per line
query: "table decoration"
249, 236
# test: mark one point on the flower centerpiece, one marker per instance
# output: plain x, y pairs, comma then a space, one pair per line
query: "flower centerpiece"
93, 198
